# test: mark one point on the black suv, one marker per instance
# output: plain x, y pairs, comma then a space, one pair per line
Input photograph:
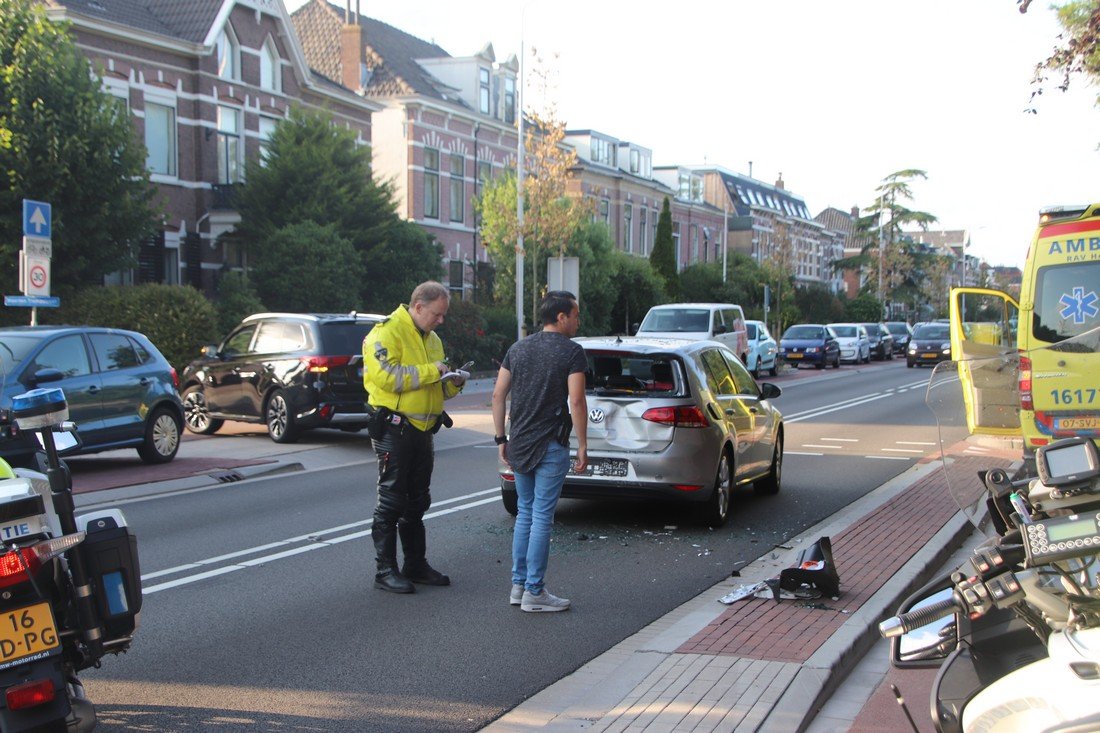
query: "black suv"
290, 371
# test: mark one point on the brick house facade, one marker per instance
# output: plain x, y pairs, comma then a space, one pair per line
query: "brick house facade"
205, 82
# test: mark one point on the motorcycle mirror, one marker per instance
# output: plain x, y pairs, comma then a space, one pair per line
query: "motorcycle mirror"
65, 440
930, 644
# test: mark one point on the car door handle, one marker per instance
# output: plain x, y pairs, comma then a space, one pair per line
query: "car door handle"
730, 412
144, 381
93, 389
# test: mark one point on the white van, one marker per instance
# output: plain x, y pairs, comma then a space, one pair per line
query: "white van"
721, 322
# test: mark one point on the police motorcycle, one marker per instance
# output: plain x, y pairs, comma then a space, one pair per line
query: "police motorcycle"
70, 586
1015, 630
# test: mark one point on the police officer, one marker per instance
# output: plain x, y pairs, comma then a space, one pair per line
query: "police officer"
404, 364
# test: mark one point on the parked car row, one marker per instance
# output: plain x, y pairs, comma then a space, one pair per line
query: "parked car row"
824, 345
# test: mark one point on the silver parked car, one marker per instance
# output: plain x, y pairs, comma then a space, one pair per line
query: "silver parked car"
855, 345
675, 420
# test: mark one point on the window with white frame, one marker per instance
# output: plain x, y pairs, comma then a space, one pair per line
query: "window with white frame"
229, 145
431, 183
267, 129
483, 90
229, 54
509, 99
160, 138
676, 245
603, 152
605, 211
642, 231
628, 227
684, 192
693, 231
458, 187
271, 73
484, 172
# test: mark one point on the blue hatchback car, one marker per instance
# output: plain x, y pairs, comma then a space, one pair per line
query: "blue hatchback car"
810, 343
121, 392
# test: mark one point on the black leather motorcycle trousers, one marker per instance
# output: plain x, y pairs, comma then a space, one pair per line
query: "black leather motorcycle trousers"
405, 460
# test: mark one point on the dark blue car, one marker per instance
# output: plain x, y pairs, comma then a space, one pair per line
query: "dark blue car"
121, 392
810, 343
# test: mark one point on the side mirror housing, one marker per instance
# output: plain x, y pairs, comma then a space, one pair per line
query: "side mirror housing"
769, 391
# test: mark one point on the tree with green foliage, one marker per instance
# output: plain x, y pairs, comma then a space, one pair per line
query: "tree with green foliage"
638, 288
236, 299
309, 253
864, 307
663, 256
1079, 53
889, 258
65, 141
818, 304
315, 172
702, 283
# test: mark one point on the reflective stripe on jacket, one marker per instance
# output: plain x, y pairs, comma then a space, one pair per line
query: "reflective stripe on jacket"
400, 370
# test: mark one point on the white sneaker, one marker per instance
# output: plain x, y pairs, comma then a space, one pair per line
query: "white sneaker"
516, 596
544, 602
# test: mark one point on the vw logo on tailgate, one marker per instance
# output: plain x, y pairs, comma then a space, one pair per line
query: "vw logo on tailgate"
596, 415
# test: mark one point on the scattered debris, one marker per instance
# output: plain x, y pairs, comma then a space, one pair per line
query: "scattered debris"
582, 537
785, 547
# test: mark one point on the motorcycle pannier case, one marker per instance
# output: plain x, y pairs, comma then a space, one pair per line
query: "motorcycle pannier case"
111, 559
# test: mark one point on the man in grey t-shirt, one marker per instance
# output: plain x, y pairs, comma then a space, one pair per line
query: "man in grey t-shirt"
545, 375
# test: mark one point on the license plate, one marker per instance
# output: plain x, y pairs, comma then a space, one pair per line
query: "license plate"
27, 631
928, 356
602, 467
794, 356
1077, 423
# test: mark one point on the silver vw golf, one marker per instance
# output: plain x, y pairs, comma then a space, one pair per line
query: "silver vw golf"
670, 419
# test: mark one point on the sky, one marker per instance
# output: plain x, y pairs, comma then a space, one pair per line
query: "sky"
832, 95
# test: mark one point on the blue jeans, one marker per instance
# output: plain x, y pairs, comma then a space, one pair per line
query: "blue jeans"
537, 495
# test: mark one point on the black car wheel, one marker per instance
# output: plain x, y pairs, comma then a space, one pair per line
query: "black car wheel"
195, 413
774, 371
281, 426
770, 484
717, 509
162, 437
909, 363
511, 501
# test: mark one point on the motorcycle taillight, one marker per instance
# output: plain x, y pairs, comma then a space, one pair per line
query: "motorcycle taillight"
29, 694
17, 564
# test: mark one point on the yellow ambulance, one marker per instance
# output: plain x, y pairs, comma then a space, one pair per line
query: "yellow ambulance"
1032, 367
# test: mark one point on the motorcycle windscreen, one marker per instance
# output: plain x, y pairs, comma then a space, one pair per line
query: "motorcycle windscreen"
994, 389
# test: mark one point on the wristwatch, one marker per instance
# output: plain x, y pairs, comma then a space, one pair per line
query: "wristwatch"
500, 439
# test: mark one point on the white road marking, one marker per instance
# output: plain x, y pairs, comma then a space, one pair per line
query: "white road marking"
811, 445
842, 440
311, 538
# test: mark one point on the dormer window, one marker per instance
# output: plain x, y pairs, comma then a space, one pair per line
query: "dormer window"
271, 76
483, 90
228, 50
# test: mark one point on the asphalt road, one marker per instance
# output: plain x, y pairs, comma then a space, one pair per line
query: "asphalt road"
259, 613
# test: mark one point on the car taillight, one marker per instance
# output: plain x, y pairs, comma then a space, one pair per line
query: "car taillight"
508, 475
14, 570
680, 417
29, 694
175, 378
321, 364
1026, 401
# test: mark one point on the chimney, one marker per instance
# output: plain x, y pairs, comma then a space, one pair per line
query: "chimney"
779, 182
855, 212
351, 49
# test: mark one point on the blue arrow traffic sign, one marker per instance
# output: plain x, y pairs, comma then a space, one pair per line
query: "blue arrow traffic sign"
37, 219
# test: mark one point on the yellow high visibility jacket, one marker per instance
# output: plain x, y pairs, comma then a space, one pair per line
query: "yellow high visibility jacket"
400, 371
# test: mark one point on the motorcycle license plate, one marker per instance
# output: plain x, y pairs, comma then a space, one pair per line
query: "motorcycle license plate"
26, 632
602, 467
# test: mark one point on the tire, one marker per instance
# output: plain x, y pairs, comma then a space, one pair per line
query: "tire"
909, 364
755, 371
195, 414
162, 437
821, 365
280, 419
769, 485
836, 362
774, 371
510, 500
716, 511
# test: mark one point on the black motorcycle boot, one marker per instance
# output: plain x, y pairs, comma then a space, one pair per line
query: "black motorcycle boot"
387, 577
414, 544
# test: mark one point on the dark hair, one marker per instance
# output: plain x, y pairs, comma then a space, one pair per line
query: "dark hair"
555, 302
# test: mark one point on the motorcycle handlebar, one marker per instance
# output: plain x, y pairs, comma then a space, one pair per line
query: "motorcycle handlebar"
905, 622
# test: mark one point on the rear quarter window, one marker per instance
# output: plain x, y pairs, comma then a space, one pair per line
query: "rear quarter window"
344, 337
1067, 301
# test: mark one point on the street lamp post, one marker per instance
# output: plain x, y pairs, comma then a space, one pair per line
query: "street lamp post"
520, 152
